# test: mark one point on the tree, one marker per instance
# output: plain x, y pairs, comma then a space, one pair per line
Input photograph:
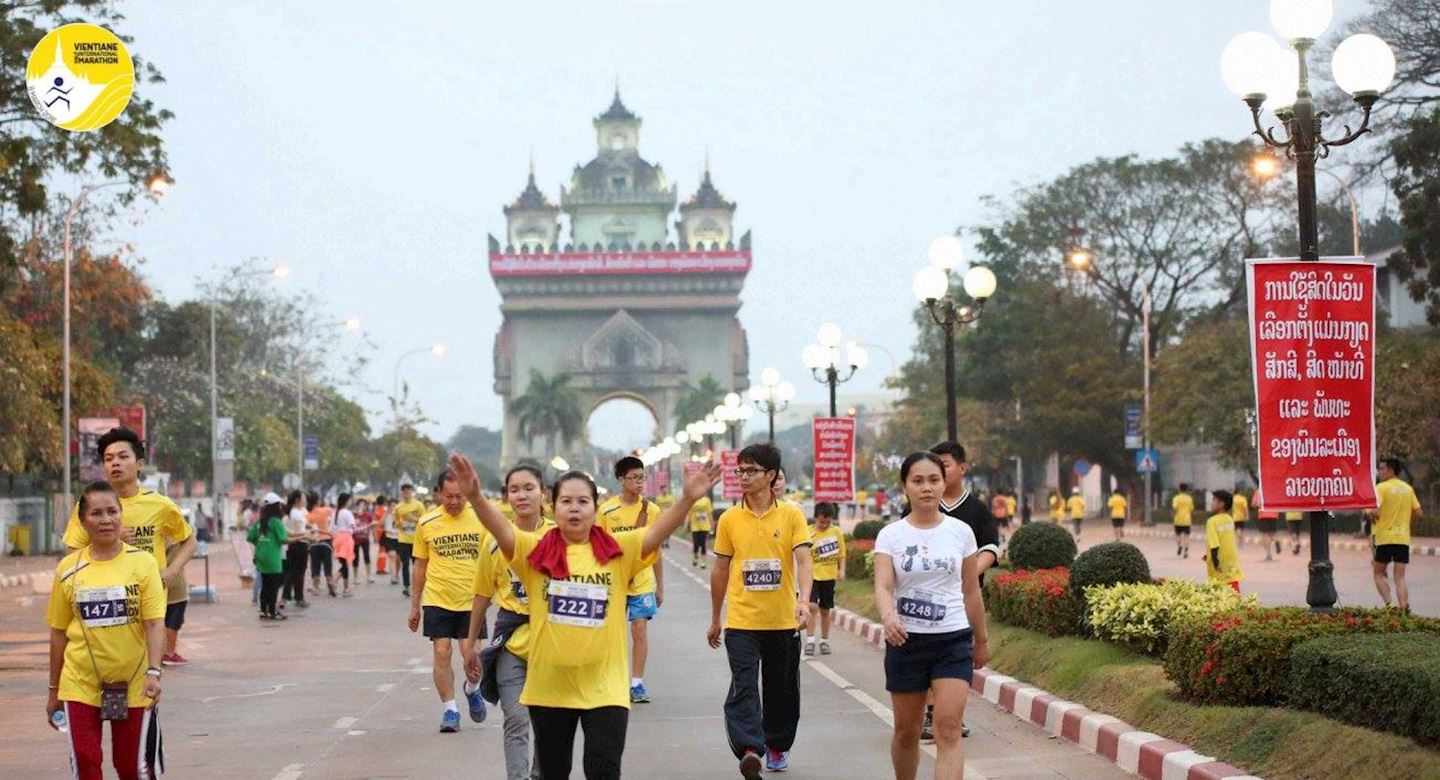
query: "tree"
549, 408
404, 450
1407, 420
698, 400
1417, 185
1204, 392
30, 368
34, 151
482, 446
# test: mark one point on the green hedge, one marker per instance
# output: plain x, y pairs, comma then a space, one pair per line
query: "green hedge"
1112, 563
1040, 600
1041, 546
1243, 656
1140, 615
867, 529
1384, 682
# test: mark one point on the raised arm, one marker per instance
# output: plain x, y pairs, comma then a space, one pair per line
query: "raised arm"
696, 485
494, 522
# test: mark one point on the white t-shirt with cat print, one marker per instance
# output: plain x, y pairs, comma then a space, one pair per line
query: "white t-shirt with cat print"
929, 593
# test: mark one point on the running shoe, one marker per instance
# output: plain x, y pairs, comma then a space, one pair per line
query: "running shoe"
809, 648
927, 733
477, 705
266, 616
173, 659
278, 616
1277, 546
694, 561
450, 722
405, 593
750, 765
824, 647
1178, 550
702, 564
638, 694
775, 761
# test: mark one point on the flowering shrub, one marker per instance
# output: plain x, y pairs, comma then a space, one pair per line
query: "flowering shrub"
1038, 599
1242, 656
1139, 615
860, 558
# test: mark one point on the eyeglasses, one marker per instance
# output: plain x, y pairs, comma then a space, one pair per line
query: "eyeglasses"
748, 471
634, 478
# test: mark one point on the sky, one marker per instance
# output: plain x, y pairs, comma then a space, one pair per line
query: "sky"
371, 146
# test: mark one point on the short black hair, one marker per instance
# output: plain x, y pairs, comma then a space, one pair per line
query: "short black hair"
98, 486
1394, 464
407, 486
826, 509
951, 448
572, 476
916, 457
766, 456
1184, 487
448, 475
628, 464
120, 434
1227, 499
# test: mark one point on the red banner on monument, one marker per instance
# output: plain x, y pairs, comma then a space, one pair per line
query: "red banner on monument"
733, 261
729, 483
834, 459
1312, 349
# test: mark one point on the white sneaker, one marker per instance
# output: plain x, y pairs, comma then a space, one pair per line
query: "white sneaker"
810, 648
824, 647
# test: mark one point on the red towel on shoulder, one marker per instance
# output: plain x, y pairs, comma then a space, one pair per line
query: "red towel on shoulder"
548, 557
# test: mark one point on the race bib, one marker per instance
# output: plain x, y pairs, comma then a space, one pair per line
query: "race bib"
827, 548
100, 607
761, 574
920, 606
578, 603
517, 589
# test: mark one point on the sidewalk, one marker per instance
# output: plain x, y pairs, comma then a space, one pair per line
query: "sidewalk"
1419, 545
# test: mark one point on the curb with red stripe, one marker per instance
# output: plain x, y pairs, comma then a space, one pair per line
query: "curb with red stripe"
1141, 753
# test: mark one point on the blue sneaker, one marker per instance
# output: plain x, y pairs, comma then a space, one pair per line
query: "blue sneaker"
638, 694
477, 705
449, 722
775, 761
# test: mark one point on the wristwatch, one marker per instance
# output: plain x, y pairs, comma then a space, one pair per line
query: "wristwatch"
153, 671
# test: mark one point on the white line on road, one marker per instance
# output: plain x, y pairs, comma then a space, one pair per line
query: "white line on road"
274, 689
290, 772
346, 722
385, 687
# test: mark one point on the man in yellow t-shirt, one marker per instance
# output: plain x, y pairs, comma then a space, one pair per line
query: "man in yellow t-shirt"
1390, 530
762, 561
1119, 509
1057, 508
701, 520
827, 552
1183, 508
626, 512
447, 556
1222, 554
1241, 513
1076, 507
152, 522
407, 516
665, 500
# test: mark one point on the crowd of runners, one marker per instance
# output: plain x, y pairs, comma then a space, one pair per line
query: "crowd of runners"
547, 594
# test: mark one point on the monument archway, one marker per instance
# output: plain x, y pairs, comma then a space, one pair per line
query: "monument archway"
621, 305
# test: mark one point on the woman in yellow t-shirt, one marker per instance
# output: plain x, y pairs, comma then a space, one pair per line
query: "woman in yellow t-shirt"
106, 615
579, 575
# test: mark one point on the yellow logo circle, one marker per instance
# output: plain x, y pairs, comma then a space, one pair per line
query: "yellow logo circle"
80, 77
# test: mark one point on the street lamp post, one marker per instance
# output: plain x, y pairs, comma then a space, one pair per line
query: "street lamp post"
437, 349
1265, 165
1145, 409
772, 395
1264, 72
157, 184
823, 360
932, 285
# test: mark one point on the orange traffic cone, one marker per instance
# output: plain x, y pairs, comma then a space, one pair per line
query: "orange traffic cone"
380, 561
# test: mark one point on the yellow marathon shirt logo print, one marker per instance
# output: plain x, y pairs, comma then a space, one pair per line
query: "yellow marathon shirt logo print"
80, 77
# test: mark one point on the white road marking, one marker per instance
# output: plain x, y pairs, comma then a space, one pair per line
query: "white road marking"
290, 772
356, 732
413, 661
346, 722
385, 687
274, 689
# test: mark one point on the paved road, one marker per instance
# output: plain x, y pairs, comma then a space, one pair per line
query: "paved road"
344, 692
1281, 581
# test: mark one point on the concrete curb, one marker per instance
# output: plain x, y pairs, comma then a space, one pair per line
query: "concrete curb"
1140, 753
1353, 545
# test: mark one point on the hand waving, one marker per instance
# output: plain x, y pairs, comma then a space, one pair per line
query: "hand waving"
466, 476
698, 483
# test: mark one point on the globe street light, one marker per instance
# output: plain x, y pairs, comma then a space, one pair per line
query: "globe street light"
772, 395
932, 287
1262, 71
824, 360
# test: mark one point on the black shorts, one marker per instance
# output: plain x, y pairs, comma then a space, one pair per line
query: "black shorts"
175, 615
1182, 530
910, 667
1269, 526
822, 592
387, 543
1118, 522
1392, 553
442, 623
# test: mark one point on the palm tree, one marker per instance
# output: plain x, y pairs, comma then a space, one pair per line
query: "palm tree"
550, 408
698, 400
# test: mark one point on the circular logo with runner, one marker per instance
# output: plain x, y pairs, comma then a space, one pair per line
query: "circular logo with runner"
80, 77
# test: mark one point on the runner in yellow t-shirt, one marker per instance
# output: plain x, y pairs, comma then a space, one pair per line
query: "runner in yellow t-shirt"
1222, 554
105, 613
504, 659
665, 500
762, 563
701, 521
626, 512
1076, 507
1057, 507
1183, 508
1241, 513
447, 555
1390, 530
827, 552
152, 522
407, 515
1292, 522
1119, 509
576, 673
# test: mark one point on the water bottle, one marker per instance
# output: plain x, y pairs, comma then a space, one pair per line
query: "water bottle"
57, 719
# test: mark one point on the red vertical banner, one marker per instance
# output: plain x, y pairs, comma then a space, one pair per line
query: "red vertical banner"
1312, 350
834, 459
729, 483
656, 480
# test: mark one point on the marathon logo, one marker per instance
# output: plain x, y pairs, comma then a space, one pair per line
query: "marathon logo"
460, 547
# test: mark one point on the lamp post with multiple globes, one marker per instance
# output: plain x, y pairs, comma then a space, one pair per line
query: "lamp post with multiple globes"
932, 287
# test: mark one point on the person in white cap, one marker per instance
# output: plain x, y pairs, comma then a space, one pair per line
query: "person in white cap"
269, 538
